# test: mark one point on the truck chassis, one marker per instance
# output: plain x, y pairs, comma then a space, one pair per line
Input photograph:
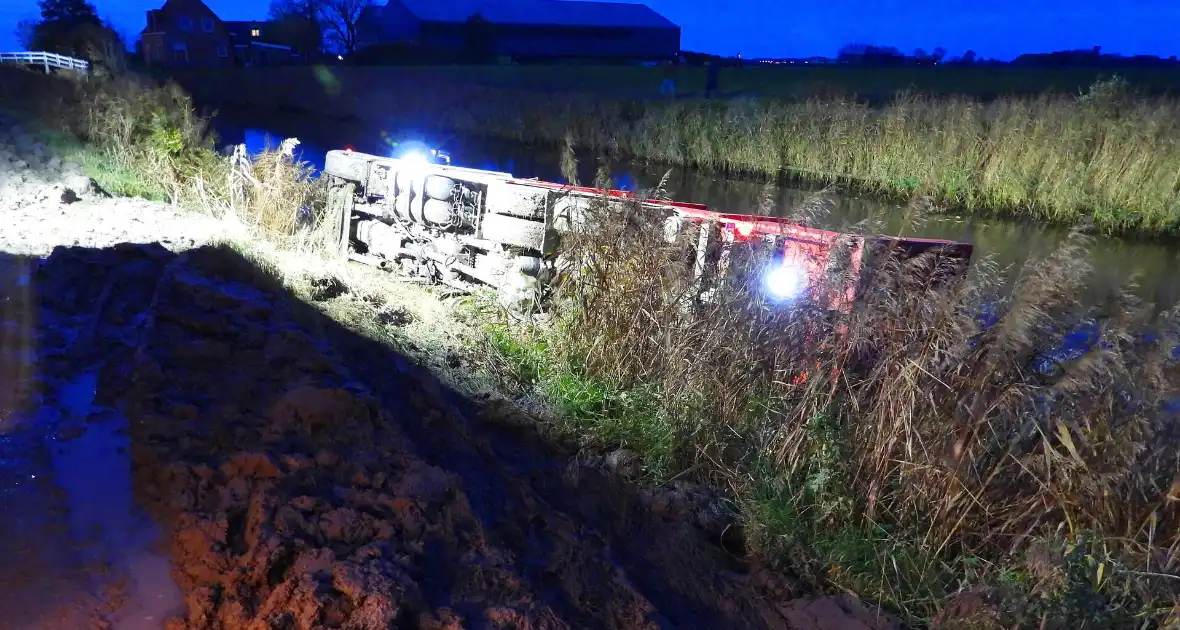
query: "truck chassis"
467, 227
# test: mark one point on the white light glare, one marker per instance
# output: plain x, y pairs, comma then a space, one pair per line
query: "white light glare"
415, 158
784, 282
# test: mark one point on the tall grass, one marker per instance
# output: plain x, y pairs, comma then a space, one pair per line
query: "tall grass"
910, 449
1108, 154
141, 138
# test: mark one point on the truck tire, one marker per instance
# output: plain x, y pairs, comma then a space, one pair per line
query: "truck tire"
513, 231
438, 212
341, 199
512, 200
441, 188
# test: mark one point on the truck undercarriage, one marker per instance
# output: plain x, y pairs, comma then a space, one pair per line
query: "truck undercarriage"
467, 227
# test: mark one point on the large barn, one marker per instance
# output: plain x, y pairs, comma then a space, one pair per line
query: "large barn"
524, 29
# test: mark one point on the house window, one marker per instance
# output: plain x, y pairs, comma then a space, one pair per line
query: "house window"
255, 32
186, 24
207, 24
180, 52
222, 51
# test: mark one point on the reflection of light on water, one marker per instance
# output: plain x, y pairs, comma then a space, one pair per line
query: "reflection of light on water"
94, 470
68, 515
259, 140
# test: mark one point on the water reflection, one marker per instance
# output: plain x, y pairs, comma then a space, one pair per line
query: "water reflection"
1009, 243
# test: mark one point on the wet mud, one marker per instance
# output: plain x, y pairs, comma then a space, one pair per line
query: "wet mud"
301, 476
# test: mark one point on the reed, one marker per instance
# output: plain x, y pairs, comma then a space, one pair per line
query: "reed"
910, 450
1108, 154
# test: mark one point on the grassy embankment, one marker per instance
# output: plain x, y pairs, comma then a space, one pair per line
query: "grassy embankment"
1050, 157
1054, 157
926, 463
983, 82
946, 469
142, 139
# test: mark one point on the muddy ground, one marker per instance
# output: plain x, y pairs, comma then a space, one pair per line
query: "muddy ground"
183, 444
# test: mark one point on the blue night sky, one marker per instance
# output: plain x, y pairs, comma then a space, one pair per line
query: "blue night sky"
781, 28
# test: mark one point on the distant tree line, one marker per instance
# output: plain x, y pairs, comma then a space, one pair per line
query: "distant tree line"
889, 56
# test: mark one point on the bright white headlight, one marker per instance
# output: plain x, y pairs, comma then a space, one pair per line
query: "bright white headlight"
415, 157
784, 281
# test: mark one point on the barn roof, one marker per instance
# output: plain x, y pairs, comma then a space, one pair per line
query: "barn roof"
540, 12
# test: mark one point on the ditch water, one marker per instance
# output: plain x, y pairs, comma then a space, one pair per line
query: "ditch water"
1011, 243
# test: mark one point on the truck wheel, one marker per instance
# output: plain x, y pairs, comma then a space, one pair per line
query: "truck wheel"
347, 166
438, 212
513, 231
441, 188
570, 213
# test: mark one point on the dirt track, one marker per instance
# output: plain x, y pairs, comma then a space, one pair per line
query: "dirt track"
302, 476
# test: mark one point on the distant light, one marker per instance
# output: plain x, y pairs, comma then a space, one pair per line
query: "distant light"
340, 57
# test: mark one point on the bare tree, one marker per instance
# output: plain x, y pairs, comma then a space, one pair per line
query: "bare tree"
336, 20
340, 19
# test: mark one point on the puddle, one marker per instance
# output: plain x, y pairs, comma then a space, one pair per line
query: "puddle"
77, 396
70, 523
94, 470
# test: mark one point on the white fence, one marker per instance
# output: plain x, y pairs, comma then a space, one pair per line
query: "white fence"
46, 60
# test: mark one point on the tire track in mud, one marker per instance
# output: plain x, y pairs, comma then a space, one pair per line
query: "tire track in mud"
307, 477
76, 554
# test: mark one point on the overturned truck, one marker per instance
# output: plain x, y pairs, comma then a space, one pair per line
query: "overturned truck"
468, 227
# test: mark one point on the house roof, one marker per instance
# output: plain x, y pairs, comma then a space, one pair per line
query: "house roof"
539, 12
154, 15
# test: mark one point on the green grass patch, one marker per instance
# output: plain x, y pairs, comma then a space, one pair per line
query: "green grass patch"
141, 138
118, 179
590, 410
